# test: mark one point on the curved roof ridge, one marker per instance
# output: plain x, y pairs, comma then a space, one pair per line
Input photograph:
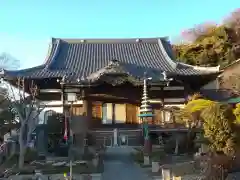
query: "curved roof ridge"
26, 70
49, 51
167, 57
201, 68
54, 52
83, 58
174, 63
108, 40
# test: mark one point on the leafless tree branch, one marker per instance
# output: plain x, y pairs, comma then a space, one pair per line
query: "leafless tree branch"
27, 108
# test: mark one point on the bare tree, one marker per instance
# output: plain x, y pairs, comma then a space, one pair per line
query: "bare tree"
8, 62
192, 34
27, 109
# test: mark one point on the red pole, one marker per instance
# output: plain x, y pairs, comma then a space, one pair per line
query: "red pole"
65, 137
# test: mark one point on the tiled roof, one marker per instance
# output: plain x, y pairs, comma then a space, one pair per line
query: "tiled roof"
81, 59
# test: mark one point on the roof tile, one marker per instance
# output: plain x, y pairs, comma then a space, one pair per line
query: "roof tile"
79, 59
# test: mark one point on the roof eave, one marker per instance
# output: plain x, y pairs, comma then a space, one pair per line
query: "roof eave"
5, 74
230, 65
203, 70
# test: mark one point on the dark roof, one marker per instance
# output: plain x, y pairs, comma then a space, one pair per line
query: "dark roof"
85, 59
217, 94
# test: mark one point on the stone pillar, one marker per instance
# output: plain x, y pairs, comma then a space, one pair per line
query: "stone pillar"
146, 160
166, 174
115, 137
176, 144
177, 178
41, 140
204, 148
155, 167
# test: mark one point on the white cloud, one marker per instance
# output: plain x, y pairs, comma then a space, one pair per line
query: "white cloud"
30, 51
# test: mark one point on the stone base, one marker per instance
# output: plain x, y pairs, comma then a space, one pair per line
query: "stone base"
157, 178
166, 175
155, 167
146, 160
177, 177
147, 146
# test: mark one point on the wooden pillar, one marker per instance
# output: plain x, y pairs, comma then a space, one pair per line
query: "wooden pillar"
96, 113
86, 103
162, 106
113, 114
62, 98
87, 108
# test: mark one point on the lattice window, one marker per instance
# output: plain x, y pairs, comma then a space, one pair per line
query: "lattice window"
97, 110
131, 113
77, 111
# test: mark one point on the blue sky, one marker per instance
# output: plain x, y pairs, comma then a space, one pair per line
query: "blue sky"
26, 26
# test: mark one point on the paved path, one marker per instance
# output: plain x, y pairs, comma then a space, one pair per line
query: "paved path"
120, 166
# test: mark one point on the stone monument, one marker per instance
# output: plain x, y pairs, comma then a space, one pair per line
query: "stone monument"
41, 140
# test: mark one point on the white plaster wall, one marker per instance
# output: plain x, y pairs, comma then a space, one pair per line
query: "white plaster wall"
109, 113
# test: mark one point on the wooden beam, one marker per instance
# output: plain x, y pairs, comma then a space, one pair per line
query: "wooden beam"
50, 91
59, 103
173, 88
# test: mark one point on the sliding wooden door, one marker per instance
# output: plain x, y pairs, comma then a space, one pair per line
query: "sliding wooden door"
131, 114
76, 110
120, 113
96, 113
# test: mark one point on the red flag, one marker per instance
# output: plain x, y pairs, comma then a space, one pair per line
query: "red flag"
65, 137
